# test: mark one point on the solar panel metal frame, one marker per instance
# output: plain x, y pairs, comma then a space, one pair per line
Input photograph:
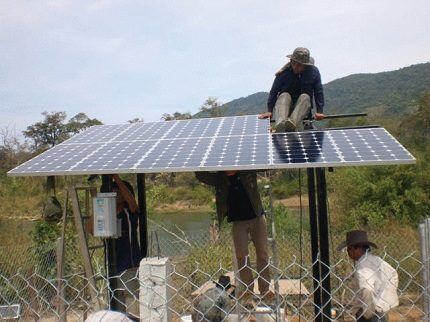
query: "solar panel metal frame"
178, 133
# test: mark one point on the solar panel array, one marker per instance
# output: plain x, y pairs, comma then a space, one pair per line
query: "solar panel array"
241, 142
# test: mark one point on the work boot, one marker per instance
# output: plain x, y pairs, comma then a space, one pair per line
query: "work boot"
290, 126
268, 297
285, 126
247, 300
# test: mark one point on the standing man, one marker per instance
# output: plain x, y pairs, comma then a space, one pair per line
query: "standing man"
238, 199
127, 247
375, 282
293, 92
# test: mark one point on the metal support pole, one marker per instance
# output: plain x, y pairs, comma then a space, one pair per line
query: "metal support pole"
313, 220
424, 229
61, 291
111, 255
272, 238
143, 215
324, 243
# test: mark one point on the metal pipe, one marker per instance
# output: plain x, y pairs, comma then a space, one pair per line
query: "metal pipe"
324, 243
332, 116
424, 243
427, 286
143, 214
110, 255
274, 250
313, 220
352, 127
338, 116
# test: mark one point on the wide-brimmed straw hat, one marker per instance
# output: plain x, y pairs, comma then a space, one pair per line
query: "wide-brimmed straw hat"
301, 55
356, 238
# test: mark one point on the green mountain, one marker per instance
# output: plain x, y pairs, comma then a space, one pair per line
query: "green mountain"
388, 93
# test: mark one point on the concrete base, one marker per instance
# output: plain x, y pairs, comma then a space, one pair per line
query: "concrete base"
155, 293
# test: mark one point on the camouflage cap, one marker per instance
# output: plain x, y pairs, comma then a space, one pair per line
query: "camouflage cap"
301, 55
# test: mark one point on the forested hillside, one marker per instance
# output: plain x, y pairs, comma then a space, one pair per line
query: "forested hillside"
369, 196
390, 93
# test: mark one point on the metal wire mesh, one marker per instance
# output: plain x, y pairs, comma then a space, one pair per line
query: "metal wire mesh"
28, 278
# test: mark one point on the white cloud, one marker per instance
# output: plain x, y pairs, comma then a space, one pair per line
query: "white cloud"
120, 59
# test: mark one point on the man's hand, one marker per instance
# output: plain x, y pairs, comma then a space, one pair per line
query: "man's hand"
266, 115
319, 116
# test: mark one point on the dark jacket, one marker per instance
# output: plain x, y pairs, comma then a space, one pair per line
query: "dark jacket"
127, 246
220, 181
310, 83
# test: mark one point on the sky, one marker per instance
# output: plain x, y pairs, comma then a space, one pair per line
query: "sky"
118, 60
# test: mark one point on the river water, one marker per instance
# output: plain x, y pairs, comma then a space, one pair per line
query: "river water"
193, 224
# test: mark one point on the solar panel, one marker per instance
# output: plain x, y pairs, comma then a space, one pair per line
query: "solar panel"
225, 143
349, 147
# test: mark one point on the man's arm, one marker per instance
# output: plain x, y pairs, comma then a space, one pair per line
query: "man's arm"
273, 96
128, 196
319, 96
363, 302
207, 177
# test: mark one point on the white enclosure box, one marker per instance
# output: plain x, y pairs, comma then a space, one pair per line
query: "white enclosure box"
105, 220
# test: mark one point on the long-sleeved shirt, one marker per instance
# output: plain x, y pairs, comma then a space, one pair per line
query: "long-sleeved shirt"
221, 183
375, 285
309, 82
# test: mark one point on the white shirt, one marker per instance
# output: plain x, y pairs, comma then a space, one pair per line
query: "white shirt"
375, 286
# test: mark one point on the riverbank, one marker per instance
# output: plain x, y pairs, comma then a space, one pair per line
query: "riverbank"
188, 206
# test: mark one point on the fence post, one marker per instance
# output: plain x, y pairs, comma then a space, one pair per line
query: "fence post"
155, 289
424, 229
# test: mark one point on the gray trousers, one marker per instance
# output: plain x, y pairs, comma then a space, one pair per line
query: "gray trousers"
284, 108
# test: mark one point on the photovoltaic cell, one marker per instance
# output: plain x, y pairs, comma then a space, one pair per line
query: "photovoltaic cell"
365, 146
227, 143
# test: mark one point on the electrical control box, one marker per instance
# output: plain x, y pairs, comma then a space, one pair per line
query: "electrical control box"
105, 219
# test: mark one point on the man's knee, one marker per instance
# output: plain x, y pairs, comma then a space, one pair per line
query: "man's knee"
283, 99
284, 96
304, 99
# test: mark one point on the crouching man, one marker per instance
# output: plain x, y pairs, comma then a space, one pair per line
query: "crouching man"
375, 282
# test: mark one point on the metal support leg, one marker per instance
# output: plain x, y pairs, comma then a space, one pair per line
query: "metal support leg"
143, 225
313, 219
424, 230
324, 243
110, 255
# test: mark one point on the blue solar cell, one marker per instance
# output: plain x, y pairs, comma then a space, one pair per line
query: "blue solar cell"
242, 142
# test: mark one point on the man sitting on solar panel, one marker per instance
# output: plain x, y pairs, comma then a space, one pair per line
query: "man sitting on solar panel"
296, 86
238, 199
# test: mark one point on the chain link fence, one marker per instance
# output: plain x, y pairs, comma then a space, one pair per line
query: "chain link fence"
30, 290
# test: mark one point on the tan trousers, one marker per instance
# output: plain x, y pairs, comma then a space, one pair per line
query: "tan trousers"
297, 113
256, 230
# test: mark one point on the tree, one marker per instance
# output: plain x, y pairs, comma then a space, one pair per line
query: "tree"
176, 116
80, 122
12, 151
212, 106
53, 130
136, 120
48, 132
415, 128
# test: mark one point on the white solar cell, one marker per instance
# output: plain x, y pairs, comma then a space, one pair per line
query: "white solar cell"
242, 142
